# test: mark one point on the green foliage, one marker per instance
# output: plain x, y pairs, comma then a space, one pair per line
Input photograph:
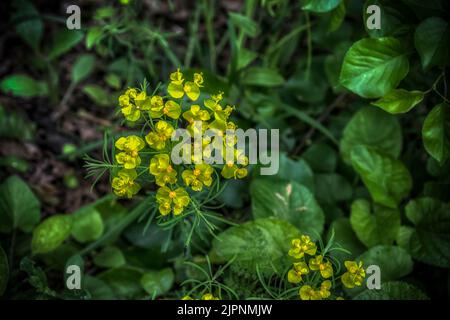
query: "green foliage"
51, 233
23, 86
4, 271
394, 290
156, 283
19, 207
436, 132
87, 224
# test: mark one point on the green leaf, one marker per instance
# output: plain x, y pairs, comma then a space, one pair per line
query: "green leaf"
110, 257
97, 288
320, 5
379, 227
429, 240
82, 68
14, 126
245, 57
393, 261
263, 77
113, 81
97, 94
124, 282
51, 233
87, 224
373, 128
345, 238
431, 40
436, 132
28, 23
331, 188
92, 37
337, 16
4, 271
247, 25
261, 243
20, 85
373, 67
386, 178
394, 290
156, 283
287, 201
399, 101
19, 208
65, 40
321, 158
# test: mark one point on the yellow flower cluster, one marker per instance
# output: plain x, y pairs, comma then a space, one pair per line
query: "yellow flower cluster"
315, 287
163, 114
206, 296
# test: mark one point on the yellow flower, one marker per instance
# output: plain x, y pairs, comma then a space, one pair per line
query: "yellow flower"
221, 115
355, 274
133, 102
170, 109
308, 293
192, 90
176, 89
324, 290
157, 139
124, 184
302, 246
209, 296
130, 146
197, 178
156, 106
187, 298
169, 200
198, 79
162, 170
231, 170
340, 298
295, 274
196, 114
176, 77
325, 267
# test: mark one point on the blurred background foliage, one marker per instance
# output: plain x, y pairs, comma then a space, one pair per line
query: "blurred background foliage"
377, 174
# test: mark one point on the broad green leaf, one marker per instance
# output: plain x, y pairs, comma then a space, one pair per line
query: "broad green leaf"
394, 262
399, 101
87, 224
20, 85
263, 77
65, 40
337, 16
19, 207
373, 67
124, 282
13, 125
14, 163
109, 257
247, 25
321, 158
93, 35
113, 80
28, 22
245, 57
261, 243
436, 132
373, 128
333, 64
386, 178
394, 18
431, 40
36, 278
156, 283
97, 94
429, 240
379, 227
4, 271
320, 5
394, 290
345, 238
51, 233
97, 288
82, 68
331, 188
289, 201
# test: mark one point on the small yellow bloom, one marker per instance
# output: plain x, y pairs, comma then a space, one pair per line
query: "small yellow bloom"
355, 274
130, 146
156, 106
187, 298
169, 200
124, 184
176, 77
324, 290
209, 296
161, 168
157, 139
192, 90
231, 171
296, 273
199, 177
198, 79
196, 114
325, 267
308, 293
132, 102
302, 246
